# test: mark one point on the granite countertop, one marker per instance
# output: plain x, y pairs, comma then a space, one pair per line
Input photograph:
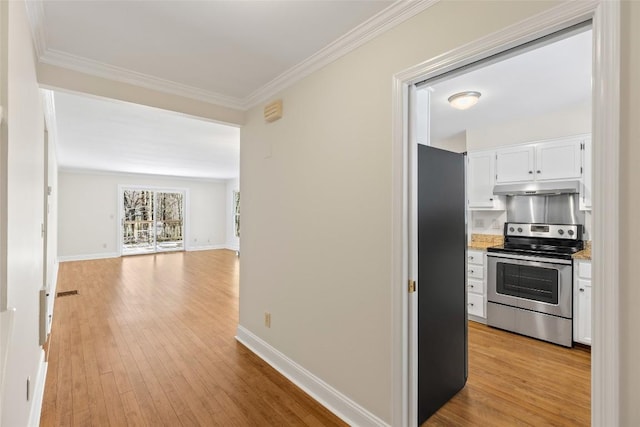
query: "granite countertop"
484, 241
584, 254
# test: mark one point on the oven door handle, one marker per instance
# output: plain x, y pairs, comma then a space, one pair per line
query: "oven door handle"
531, 258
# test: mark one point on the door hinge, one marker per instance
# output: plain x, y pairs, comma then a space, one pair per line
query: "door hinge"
412, 286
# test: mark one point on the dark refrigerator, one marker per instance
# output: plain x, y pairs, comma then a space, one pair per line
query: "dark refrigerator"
442, 304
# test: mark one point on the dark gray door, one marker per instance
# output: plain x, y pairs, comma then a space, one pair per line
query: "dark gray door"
442, 305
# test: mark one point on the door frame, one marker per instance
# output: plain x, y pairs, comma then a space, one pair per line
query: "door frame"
605, 370
185, 201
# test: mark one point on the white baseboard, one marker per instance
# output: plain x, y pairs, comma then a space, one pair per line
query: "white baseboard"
205, 248
232, 246
38, 393
87, 257
343, 407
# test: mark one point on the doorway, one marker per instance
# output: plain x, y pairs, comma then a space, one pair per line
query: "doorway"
557, 68
605, 17
152, 220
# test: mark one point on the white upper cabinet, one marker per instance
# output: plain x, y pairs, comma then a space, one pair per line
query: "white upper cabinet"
587, 166
480, 181
515, 164
543, 161
551, 160
558, 160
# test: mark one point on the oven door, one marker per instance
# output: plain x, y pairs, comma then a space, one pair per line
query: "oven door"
531, 283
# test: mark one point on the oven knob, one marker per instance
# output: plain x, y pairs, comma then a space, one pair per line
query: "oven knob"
511, 229
561, 232
570, 232
519, 229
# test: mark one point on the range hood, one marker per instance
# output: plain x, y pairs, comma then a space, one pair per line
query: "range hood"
530, 188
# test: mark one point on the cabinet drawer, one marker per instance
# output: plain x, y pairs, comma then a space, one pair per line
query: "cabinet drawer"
475, 271
475, 286
584, 269
475, 257
475, 305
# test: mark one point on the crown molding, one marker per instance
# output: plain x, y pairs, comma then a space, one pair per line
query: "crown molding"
386, 19
100, 69
133, 175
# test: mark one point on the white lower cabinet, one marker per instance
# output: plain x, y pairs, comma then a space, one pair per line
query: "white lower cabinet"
476, 280
582, 301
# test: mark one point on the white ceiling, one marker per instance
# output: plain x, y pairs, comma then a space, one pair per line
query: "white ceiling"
115, 136
228, 49
550, 78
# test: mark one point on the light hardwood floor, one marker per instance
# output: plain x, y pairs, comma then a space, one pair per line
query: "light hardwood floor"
149, 340
519, 381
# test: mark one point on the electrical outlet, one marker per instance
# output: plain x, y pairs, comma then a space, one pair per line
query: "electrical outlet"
478, 223
267, 319
495, 224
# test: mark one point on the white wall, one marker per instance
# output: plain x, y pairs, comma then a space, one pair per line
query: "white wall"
317, 229
24, 209
565, 122
232, 241
54, 77
456, 143
88, 212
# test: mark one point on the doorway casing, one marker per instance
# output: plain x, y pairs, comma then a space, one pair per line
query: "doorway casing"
605, 369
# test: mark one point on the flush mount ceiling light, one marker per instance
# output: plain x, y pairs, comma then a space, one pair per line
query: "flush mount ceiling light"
464, 100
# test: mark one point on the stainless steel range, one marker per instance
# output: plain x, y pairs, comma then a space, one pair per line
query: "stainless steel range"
530, 280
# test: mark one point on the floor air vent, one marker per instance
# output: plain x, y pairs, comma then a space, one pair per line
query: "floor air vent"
67, 293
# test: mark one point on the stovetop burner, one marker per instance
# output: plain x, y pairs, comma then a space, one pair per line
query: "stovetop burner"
548, 240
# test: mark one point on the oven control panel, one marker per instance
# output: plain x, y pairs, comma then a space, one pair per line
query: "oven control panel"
555, 231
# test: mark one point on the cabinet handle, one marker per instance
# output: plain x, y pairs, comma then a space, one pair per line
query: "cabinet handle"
530, 171
471, 286
471, 304
491, 200
471, 271
581, 289
471, 258
538, 171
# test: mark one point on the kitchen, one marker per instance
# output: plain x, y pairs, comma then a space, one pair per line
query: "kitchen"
529, 178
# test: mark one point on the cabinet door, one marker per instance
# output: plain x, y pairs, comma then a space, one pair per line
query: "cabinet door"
475, 305
475, 286
584, 312
587, 166
475, 257
515, 164
558, 160
480, 173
